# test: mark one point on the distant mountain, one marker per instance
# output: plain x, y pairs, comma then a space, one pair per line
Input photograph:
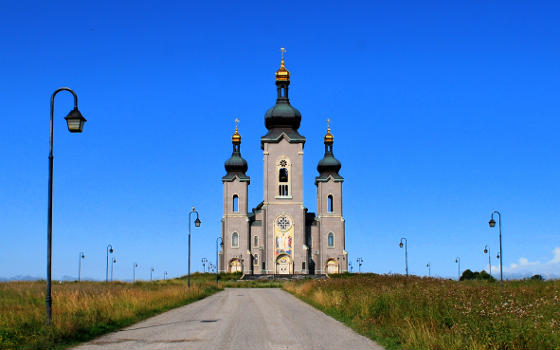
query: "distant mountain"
21, 278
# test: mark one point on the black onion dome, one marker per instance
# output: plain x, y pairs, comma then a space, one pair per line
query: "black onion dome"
329, 164
236, 164
282, 115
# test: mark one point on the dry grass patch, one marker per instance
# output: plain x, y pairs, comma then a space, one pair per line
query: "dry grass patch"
84, 310
430, 313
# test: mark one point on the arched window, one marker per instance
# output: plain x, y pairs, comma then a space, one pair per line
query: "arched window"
256, 260
331, 240
283, 168
235, 203
330, 203
235, 240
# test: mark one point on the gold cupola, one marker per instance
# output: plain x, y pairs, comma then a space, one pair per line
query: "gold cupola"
236, 137
329, 138
282, 74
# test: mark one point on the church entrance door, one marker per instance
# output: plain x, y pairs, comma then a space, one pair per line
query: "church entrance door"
284, 265
235, 265
332, 267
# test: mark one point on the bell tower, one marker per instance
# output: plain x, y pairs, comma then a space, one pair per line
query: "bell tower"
235, 223
330, 238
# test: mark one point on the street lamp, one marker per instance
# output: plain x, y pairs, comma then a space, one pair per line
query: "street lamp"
204, 261
80, 257
196, 224
114, 261
134, 266
164, 275
75, 122
429, 269
219, 241
350, 266
487, 251
405, 253
492, 223
109, 251
151, 272
360, 261
458, 261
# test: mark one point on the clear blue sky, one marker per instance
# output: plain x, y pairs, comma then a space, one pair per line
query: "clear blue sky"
441, 112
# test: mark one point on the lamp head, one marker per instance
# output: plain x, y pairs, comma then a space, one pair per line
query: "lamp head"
492, 223
83, 256
400, 245
111, 250
114, 260
75, 121
197, 222
485, 250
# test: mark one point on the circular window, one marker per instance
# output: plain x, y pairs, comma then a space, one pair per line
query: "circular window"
284, 223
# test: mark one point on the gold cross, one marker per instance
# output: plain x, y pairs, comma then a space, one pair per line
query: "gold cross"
283, 50
236, 122
329, 123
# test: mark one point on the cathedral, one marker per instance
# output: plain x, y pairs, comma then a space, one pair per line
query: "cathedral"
280, 236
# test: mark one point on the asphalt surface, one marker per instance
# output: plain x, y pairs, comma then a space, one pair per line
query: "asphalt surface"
237, 318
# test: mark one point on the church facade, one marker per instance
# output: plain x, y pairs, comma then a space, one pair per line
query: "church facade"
280, 236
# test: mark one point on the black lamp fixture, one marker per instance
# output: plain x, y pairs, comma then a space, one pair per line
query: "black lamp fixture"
75, 120
197, 222
492, 223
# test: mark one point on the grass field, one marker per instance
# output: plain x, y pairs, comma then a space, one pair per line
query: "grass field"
428, 313
84, 310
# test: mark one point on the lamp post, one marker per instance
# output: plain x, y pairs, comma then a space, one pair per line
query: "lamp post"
487, 251
204, 261
359, 261
75, 122
113, 262
405, 253
164, 275
458, 261
196, 224
350, 266
219, 241
109, 251
80, 257
492, 223
429, 269
151, 272
134, 266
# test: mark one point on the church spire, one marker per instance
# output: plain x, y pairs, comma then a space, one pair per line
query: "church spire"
236, 165
329, 165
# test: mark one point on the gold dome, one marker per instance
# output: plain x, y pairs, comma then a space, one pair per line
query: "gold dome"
282, 74
236, 137
329, 138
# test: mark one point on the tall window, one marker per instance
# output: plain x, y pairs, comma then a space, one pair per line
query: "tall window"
330, 203
256, 260
283, 182
235, 203
256, 241
235, 240
331, 240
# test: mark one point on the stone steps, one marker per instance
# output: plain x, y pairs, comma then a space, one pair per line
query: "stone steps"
259, 277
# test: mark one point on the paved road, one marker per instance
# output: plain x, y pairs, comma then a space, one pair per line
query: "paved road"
244, 318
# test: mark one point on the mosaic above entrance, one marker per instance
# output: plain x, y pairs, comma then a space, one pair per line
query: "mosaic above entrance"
283, 235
